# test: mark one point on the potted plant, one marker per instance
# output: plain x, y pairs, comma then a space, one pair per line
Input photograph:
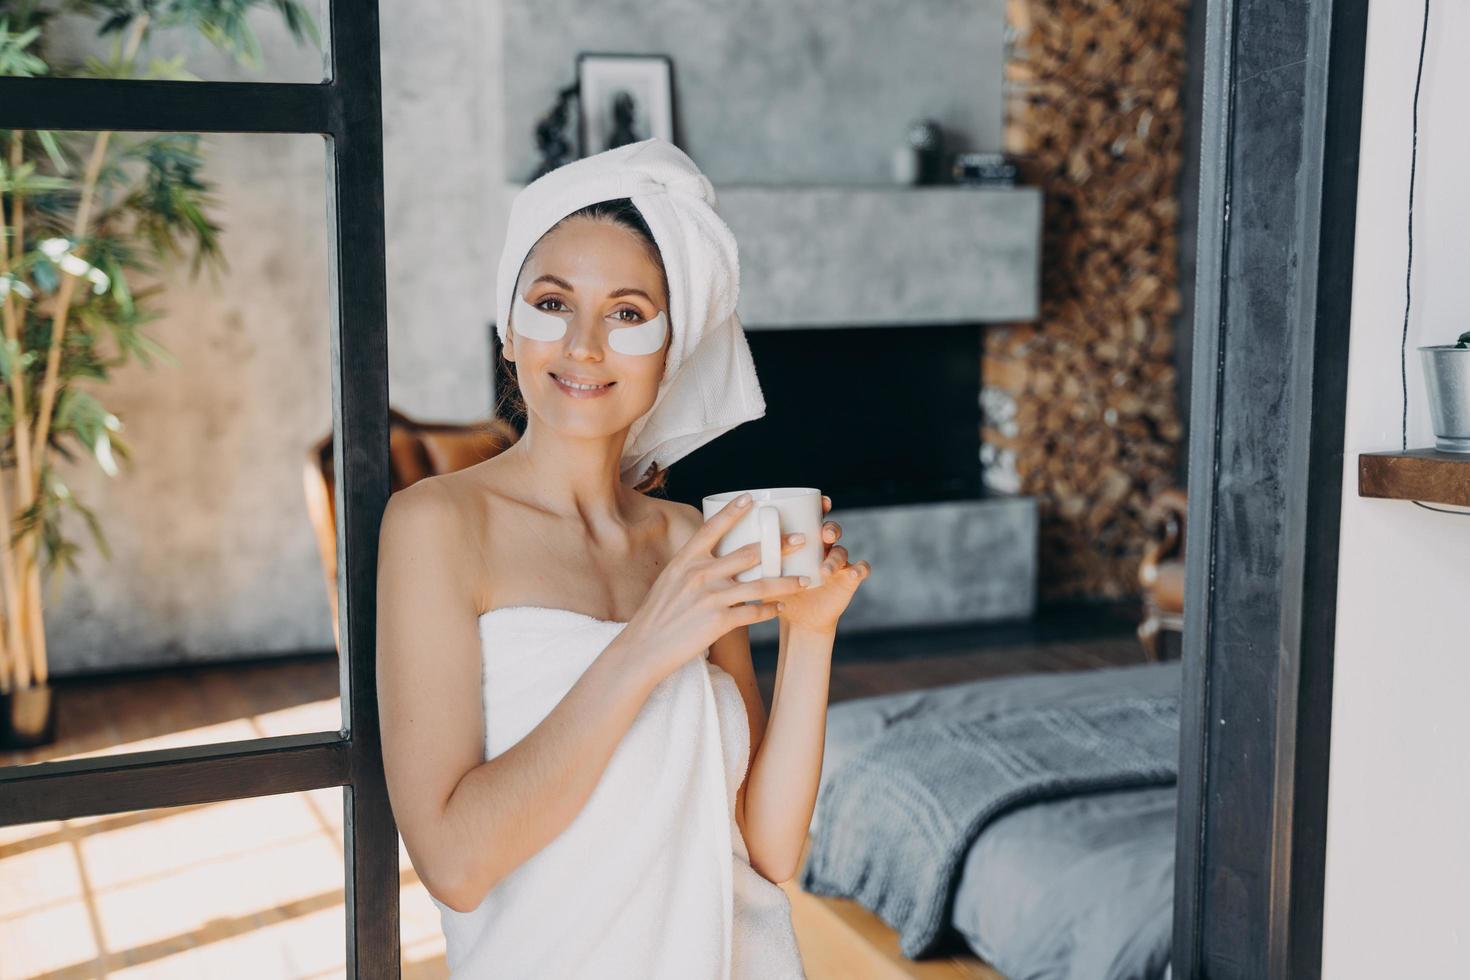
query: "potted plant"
86, 217
1447, 379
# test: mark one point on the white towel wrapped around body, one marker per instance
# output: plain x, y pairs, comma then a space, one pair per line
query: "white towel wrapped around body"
651, 879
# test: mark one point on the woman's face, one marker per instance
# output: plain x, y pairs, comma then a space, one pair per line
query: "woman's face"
597, 276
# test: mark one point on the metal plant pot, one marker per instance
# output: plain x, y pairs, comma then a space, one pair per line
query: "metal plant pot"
28, 717
1447, 378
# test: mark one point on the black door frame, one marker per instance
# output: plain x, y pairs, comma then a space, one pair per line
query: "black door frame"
346, 110
1278, 198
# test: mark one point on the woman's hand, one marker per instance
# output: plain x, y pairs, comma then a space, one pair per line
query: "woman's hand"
819, 606
695, 600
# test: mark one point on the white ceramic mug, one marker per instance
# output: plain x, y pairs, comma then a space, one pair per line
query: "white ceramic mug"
774, 513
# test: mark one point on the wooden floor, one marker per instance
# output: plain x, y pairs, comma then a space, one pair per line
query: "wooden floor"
253, 888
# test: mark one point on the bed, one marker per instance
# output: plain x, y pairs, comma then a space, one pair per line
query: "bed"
1068, 882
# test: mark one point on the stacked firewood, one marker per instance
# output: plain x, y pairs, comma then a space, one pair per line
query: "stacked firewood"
1093, 117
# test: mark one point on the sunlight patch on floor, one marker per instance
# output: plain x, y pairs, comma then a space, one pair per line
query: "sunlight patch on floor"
243, 888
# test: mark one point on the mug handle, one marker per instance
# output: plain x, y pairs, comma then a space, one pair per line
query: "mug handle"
770, 519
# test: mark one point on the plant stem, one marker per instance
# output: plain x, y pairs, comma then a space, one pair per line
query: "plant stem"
30, 459
14, 655
31, 475
63, 304
68, 282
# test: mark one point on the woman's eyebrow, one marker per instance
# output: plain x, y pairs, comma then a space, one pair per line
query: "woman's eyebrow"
625, 291
555, 281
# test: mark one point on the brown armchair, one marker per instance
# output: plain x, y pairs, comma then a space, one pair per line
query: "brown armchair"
415, 450
1161, 573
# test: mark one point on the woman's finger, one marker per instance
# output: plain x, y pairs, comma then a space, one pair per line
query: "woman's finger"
831, 531
835, 560
826, 503
756, 612
737, 561
749, 556
763, 588
703, 540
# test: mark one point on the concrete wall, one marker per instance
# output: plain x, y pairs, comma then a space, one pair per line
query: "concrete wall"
1398, 854
771, 91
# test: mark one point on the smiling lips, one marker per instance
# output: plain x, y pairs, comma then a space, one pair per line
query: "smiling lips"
577, 389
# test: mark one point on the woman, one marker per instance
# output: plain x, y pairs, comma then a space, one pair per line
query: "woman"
579, 760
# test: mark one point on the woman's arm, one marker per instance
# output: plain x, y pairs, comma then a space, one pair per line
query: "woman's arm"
467, 822
774, 804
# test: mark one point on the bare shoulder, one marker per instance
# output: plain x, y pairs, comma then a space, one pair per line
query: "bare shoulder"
414, 509
682, 520
423, 507
430, 522
492, 526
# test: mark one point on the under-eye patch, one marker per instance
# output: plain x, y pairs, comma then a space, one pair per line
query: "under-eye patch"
536, 323
640, 338
636, 338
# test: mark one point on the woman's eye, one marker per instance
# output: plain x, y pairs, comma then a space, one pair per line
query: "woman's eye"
548, 299
635, 313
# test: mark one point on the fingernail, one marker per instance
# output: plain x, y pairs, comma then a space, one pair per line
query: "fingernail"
742, 500
805, 580
796, 538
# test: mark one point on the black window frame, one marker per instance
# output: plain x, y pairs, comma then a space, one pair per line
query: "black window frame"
346, 110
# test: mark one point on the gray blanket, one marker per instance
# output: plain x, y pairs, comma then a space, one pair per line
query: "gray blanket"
900, 815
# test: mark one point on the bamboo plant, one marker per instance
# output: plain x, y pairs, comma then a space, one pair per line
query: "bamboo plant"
90, 223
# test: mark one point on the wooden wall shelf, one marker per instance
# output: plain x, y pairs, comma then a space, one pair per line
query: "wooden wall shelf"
1418, 474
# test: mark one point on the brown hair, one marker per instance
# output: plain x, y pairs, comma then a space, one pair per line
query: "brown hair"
509, 403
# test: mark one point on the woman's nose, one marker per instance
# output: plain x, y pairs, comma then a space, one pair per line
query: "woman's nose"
584, 337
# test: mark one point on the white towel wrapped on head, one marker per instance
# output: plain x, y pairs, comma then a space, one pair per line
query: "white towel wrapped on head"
709, 384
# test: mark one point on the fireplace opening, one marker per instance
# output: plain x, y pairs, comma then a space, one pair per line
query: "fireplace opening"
874, 415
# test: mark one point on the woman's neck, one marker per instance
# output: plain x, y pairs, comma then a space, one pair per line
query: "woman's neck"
573, 477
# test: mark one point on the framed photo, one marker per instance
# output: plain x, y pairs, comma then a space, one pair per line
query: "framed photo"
623, 98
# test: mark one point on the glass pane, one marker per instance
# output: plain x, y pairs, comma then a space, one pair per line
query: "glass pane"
185, 427
258, 42
246, 888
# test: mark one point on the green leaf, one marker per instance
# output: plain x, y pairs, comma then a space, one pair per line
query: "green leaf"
46, 274
146, 347
9, 355
48, 142
15, 60
171, 69
299, 21
81, 414
92, 524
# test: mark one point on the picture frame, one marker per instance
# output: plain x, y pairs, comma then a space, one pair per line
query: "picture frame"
623, 98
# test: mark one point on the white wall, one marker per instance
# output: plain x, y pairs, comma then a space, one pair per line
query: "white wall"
1398, 836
